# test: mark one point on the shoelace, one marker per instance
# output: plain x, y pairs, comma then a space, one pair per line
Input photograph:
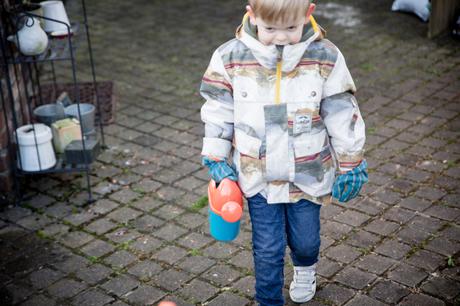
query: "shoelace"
304, 278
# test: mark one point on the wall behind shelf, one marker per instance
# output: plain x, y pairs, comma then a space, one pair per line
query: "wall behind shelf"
17, 83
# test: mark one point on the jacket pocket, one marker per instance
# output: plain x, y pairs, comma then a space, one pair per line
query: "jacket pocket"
247, 145
307, 145
250, 162
314, 167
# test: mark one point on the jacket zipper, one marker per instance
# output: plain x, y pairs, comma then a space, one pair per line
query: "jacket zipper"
279, 65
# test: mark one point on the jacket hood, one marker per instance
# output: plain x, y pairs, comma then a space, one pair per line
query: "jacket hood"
267, 56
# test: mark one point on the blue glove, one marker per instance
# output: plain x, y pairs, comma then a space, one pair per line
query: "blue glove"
218, 170
348, 185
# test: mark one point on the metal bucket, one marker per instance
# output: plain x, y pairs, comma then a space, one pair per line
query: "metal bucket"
87, 116
49, 113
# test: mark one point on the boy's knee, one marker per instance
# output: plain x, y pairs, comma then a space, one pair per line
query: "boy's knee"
307, 248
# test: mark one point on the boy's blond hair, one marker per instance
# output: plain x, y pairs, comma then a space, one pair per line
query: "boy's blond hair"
279, 10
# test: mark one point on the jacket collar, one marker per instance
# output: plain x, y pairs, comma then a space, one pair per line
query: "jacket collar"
267, 55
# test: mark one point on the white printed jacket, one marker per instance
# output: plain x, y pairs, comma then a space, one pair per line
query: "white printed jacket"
286, 116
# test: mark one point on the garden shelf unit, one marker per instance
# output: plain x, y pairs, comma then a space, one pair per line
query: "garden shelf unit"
16, 65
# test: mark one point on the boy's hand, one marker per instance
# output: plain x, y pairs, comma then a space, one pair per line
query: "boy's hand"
348, 185
219, 169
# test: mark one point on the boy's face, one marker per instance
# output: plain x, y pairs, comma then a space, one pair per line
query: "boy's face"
279, 33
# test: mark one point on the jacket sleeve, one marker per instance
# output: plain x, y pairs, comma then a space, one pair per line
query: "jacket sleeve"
217, 111
341, 115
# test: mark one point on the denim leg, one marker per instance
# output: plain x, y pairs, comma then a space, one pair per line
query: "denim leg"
269, 244
303, 232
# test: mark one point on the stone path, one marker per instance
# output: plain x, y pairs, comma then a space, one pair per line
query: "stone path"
146, 237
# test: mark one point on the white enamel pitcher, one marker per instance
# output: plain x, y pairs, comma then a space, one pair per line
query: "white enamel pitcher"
30, 39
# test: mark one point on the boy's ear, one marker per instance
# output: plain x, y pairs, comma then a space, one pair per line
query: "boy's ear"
252, 16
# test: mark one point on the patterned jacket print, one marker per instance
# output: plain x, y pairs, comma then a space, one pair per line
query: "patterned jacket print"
287, 115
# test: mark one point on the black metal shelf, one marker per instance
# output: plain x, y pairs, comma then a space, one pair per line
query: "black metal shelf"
61, 167
59, 49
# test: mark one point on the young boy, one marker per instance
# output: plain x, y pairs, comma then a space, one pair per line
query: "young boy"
279, 100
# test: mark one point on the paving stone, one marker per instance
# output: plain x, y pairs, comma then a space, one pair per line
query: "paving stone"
399, 215
220, 250
414, 203
335, 230
97, 248
413, 236
426, 260
120, 259
382, 227
370, 206
229, 299
71, 264
76, 239
443, 246
93, 274
352, 218
147, 223
101, 226
170, 254
363, 239
120, 285
43, 278
103, 206
65, 288
145, 244
198, 291
421, 300
123, 235
343, 253
169, 193
375, 263
221, 275
393, 249
92, 297
388, 291
191, 220
168, 212
169, 232
327, 267
443, 212
363, 300
246, 286
355, 278
194, 241
80, 218
325, 242
196, 264
244, 259
407, 275
145, 270
442, 287
147, 204
39, 300
34, 222
335, 294
171, 279
426, 224
124, 196
58, 210
451, 232
145, 295
124, 214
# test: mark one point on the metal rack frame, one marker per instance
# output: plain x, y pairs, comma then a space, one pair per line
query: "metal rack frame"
30, 72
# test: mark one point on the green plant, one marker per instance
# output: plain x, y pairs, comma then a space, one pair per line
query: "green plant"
199, 204
195, 252
450, 261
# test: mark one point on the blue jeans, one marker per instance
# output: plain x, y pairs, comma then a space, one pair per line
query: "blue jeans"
273, 227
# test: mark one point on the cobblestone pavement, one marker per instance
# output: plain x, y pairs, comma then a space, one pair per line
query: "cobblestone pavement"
146, 236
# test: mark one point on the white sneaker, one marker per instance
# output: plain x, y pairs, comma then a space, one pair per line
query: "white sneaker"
303, 286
